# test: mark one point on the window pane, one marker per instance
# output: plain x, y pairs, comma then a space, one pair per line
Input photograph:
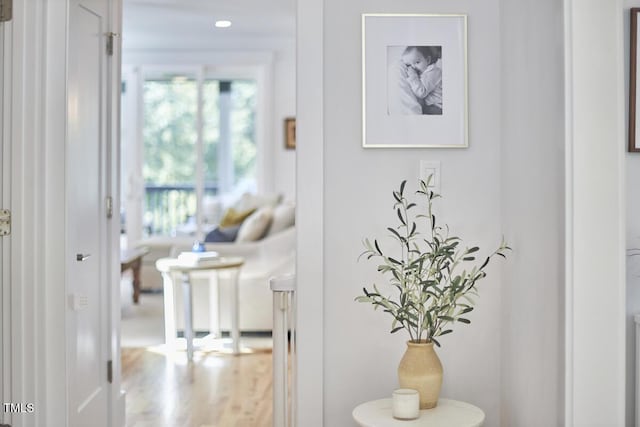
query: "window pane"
170, 108
243, 119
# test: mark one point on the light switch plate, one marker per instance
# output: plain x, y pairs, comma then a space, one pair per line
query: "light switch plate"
428, 167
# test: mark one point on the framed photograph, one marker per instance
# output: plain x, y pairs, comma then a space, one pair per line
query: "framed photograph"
290, 133
414, 81
634, 136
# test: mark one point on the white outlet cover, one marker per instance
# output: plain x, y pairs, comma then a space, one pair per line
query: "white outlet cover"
429, 167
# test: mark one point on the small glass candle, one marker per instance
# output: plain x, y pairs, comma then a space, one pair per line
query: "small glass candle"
406, 404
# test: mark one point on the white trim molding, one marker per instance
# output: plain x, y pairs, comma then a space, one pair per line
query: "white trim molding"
24, 99
595, 215
310, 214
5, 199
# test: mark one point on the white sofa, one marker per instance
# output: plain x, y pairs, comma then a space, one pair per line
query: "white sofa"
272, 255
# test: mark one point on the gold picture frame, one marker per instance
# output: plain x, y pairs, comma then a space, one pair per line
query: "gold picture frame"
290, 133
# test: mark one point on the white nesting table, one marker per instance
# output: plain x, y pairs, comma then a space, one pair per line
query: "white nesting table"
448, 413
167, 266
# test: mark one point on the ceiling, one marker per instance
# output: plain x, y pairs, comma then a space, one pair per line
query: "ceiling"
190, 23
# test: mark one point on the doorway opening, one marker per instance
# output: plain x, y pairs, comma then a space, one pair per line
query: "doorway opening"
205, 156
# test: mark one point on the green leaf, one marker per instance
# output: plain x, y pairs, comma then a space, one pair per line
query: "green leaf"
428, 316
394, 232
394, 330
402, 187
400, 216
461, 320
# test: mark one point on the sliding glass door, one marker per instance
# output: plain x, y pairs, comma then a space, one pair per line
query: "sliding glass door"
199, 149
169, 151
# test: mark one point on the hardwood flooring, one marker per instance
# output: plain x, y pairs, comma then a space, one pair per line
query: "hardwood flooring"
216, 390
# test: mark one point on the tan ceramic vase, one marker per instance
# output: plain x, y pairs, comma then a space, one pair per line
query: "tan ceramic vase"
420, 369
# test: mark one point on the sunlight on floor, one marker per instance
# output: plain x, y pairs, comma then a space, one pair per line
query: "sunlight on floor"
216, 389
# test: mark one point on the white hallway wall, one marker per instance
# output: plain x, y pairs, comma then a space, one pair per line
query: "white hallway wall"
360, 357
633, 233
510, 361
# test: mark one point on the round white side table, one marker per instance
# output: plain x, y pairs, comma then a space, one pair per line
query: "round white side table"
448, 413
166, 266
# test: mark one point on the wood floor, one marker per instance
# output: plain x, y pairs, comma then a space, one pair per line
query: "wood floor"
214, 391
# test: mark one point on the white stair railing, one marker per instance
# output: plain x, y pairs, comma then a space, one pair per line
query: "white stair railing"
284, 304
637, 403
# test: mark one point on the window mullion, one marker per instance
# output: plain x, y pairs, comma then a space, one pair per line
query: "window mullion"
200, 155
225, 154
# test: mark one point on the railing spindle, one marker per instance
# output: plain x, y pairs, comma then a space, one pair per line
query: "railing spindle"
283, 288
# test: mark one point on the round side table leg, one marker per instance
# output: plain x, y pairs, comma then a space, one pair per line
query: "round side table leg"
235, 327
169, 313
188, 314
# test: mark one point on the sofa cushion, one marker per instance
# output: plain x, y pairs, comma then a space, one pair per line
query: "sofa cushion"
256, 225
284, 216
234, 217
222, 234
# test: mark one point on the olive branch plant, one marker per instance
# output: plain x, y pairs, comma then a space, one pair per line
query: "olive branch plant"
434, 287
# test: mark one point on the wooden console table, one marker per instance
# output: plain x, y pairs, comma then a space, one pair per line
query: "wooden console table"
132, 259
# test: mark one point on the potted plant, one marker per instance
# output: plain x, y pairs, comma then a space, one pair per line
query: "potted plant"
435, 280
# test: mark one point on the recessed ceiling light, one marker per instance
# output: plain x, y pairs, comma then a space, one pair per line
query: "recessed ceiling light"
223, 24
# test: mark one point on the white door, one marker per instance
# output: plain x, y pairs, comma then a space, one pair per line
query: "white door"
88, 330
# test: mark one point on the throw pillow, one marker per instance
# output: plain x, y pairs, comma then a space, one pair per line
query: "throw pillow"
284, 216
256, 225
234, 217
222, 234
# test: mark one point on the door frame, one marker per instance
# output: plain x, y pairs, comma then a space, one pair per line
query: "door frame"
309, 376
5, 253
114, 81
595, 279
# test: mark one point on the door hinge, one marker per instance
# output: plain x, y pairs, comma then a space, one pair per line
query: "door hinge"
110, 371
6, 10
5, 222
109, 207
110, 41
